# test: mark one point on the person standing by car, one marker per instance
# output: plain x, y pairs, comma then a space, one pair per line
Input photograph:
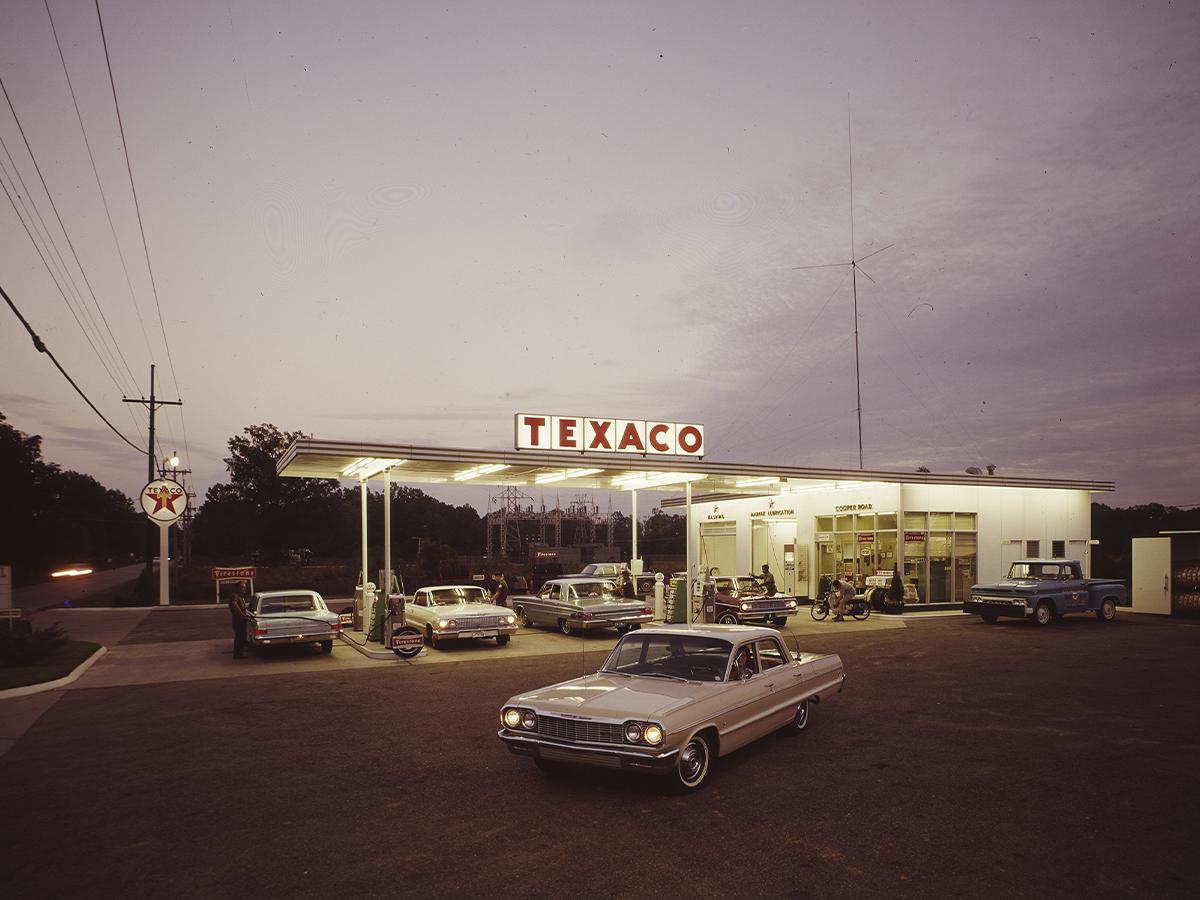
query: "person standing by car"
768, 581
843, 593
500, 596
241, 621
626, 586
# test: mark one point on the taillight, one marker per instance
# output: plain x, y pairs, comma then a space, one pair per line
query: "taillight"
337, 626
647, 611
587, 615
260, 632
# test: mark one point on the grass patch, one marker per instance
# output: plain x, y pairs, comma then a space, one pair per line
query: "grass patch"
59, 664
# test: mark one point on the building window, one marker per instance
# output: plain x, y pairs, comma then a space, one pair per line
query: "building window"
1058, 549
1033, 549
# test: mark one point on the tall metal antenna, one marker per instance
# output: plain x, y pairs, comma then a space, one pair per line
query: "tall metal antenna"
854, 270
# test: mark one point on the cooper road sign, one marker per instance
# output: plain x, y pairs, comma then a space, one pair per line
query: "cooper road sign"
164, 500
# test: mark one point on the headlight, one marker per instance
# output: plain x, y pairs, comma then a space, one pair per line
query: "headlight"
652, 734
445, 623
510, 620
792, 604
529, 719
633, 732
511, 718
745, 606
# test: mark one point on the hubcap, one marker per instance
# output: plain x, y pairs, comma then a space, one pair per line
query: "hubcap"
691, 762
802, 715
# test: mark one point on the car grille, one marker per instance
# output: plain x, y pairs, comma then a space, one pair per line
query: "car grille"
478, 622
760, 605
577, 730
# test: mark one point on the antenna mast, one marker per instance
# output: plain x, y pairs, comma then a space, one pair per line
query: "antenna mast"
854, 284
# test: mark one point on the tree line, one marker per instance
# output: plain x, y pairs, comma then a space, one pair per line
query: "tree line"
52, 516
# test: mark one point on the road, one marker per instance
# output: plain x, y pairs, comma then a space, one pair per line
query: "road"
961, 760
58, 591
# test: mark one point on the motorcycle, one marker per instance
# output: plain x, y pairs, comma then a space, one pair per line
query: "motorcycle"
858, 608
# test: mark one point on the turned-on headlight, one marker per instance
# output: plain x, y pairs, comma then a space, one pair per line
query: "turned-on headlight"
511, 717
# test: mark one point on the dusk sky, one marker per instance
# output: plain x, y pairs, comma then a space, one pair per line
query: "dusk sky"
404, 222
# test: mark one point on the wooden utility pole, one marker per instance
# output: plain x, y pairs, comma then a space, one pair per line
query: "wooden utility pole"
151, 528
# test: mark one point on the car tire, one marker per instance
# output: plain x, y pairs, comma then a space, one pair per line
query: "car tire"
1107, 611
989, 618
502, 639
326, 646
692, 766
523, 618
430, 638
779, 622
564, 625
1043, 615
727, 619
800, 720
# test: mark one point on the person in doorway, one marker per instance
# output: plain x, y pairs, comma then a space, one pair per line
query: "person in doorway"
767, 580
241, 621
500, 595
843, 593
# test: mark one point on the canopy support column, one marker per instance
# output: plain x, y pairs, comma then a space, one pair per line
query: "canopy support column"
387, 536
633, 554
364, 612
691, 550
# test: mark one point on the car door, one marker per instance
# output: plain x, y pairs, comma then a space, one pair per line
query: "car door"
1075, 592
785, 681
748, 712
542, 611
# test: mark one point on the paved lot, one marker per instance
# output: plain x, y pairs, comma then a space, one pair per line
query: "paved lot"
962, 760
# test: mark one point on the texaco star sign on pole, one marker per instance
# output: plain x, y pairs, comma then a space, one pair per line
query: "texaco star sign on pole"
164, 501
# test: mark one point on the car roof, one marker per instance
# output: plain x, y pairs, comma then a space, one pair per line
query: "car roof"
733, 633
443, 587
1039, 560
285, 593
580, 577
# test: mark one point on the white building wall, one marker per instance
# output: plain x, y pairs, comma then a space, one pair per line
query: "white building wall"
1007, 517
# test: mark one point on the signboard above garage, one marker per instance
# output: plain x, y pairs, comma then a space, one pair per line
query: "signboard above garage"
584, 434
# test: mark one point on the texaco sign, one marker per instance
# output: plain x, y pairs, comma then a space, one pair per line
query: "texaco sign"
164, 500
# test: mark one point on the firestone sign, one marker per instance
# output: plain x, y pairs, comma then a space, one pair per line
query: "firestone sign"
584, 434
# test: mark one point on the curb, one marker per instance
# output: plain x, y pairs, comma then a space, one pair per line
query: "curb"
26, 690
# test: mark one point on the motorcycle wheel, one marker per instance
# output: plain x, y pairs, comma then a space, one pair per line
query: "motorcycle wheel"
819, 610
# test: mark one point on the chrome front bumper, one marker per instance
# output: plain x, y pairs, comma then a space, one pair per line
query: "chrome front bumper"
538, 747
474, 632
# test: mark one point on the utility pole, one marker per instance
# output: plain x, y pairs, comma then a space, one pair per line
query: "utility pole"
152, 404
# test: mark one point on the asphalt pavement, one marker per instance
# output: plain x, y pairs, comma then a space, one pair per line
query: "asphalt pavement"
961, 760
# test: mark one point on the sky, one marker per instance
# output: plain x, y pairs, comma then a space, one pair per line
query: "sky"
405, 222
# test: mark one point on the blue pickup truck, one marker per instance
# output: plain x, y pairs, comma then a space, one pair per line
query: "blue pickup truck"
1046, 589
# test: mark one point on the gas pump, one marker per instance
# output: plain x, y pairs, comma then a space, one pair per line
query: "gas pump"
394, 632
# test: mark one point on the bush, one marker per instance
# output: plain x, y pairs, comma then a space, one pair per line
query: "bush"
24, 648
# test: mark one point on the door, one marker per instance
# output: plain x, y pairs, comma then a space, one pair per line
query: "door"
718, 547
1152, 575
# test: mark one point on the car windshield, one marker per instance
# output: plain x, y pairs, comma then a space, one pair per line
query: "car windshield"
691, 656
287, 603
451, 596
594, 589
1034, 570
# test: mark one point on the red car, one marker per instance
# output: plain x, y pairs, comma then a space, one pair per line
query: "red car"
741, 600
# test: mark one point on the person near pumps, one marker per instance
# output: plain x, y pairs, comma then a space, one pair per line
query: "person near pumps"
767, 580
240, 619
843, 593
500, 595
625, 587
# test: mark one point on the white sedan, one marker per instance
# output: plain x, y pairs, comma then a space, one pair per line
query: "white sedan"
454, 611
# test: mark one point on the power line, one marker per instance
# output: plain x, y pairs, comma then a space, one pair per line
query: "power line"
141, 227
50, 271
66, 234
40, 346
99, 186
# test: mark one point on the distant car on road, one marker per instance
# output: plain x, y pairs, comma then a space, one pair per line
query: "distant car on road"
292, 617
456, 611
670, 700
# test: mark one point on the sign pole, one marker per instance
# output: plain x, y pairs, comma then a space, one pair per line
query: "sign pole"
164, 564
